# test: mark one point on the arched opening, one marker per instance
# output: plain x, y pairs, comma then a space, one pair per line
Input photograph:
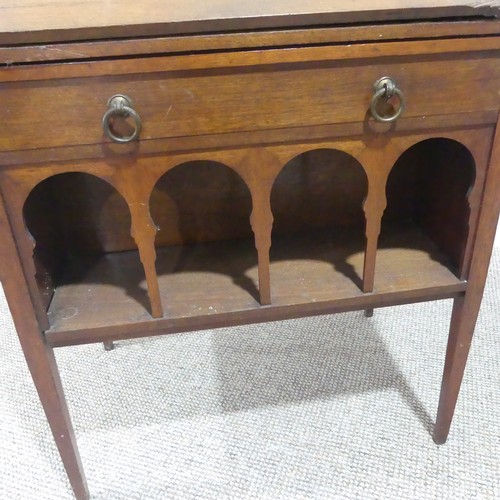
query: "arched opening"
427, 199
85, 259
206, 257
317, 203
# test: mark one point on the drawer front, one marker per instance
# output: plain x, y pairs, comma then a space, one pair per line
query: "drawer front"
69, 111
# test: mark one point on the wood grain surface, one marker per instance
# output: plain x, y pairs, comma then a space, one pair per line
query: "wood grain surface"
33, 20
209, 279
258, 186
93, 49
239, 99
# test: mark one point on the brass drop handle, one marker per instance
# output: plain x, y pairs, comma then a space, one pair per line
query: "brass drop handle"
121, 105
385, 88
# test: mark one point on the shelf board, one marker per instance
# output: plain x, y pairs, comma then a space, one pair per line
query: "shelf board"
216, 283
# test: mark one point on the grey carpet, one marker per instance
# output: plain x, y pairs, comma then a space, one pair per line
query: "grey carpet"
330, 407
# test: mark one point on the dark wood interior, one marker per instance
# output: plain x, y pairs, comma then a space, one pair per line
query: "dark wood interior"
211, 279
428, 187
200, 201
73, 217
205, 241
317, 190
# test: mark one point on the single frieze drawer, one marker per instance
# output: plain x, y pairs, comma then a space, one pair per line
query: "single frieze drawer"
236, 96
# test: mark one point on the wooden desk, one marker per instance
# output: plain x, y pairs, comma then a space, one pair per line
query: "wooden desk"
166, 170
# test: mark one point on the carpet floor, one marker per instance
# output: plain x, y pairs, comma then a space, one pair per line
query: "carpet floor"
330, 407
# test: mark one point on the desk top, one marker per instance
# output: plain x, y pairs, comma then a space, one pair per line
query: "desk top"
37, 21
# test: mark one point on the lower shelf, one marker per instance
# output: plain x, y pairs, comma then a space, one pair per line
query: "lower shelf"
308, 274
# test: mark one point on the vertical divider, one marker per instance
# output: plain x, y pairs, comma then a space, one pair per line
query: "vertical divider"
259, 169
377, 160
136, 193
30, 267
373, 207
26, 244
262, 224
143, 230
478, 145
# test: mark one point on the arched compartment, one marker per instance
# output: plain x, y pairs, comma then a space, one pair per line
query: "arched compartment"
318, 233
87, 266
428, 208
206, 257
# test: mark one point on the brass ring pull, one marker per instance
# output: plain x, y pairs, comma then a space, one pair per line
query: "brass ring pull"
385, 88
121, 105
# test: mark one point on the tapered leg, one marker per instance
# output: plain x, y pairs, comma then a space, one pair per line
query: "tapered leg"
43, 368
459, 342
466, 308
39, 356
109, 345
463, 322
368, 313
